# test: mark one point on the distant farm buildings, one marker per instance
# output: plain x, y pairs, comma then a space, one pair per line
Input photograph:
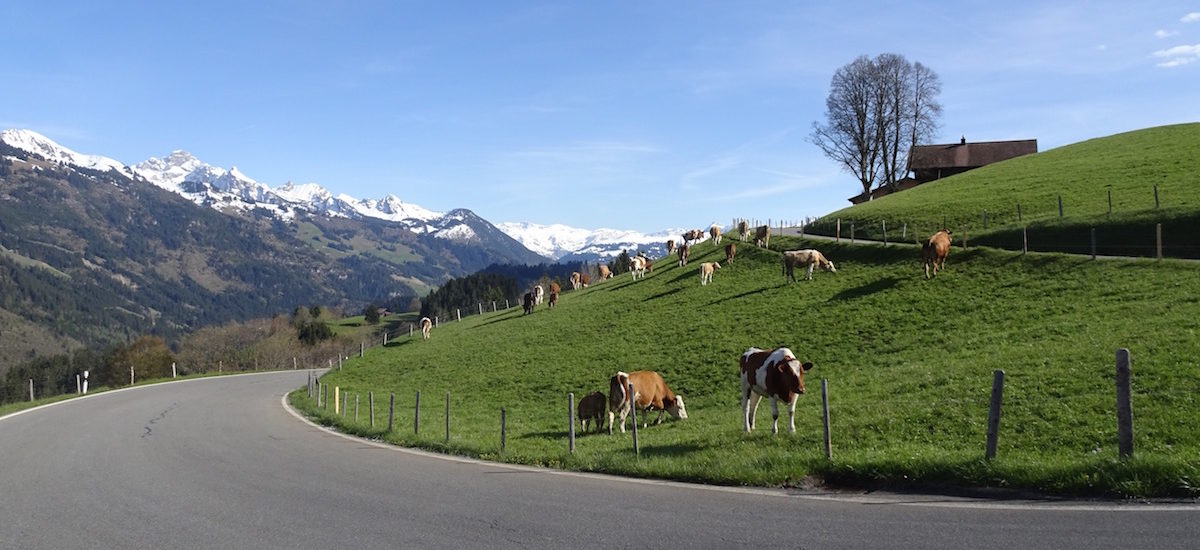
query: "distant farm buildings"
927, 163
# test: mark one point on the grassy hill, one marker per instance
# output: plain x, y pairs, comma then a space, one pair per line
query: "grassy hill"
1127, 167
908, 362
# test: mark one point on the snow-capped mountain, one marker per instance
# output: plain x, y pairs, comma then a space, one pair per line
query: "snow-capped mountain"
230, 189
566, 243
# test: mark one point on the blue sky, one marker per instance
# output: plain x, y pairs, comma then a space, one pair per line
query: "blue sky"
633, 115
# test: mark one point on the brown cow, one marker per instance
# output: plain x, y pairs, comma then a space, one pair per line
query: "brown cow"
554, 288
714, 233
553, 299
935, 250
730, 251
776, 374
651, 393
529, 300
585, 280
692, 236
591, 408
762, 236
743, 228
605, 273
683, 251
670, 247
804, 258
637, 267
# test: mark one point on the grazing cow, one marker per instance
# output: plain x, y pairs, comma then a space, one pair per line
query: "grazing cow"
776, 374
649, 390
574, 280
743, 228
714, 233
692, 236
554, 288
706, 272
553, 299
585, 280
935, 250
670, 247
730, 250
537, 294
426, 326
649, 265
591, 407
804, 258
605, 273
683, 251
530, 300
637, 267
762, 236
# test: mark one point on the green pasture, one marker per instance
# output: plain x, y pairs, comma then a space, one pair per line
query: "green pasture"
1121, 185
909, 365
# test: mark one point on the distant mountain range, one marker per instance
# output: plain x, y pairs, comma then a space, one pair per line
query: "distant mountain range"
230, 189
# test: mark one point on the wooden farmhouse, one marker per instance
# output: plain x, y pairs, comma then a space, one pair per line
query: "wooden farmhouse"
927, 163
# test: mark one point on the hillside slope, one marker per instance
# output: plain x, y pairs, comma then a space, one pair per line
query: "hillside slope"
909, 363
1132, 168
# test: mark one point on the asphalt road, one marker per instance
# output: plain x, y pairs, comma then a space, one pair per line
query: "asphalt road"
221, 463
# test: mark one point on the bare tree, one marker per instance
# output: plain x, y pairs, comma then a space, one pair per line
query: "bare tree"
877, 110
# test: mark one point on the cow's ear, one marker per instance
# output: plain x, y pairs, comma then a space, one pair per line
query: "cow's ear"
807, 366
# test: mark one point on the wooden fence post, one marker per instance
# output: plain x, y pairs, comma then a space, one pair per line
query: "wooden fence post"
79, 386
174, 373
130, 375
571, 422
391, 411
362, 349
838, 234
371, 406
337, 401
1124, 405
345, 402
458, 313
825, 419
637, 450
1158, 239
31, 389
993, 425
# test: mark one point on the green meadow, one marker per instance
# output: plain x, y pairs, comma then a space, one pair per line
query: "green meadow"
908, 363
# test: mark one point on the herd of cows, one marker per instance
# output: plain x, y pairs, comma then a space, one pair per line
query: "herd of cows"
776, 374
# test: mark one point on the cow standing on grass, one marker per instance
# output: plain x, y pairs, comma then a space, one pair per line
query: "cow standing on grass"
575, 280
650, 393
807, 258
934, 251
762, 236
714, 233
706, 272
670, 246
730, 251
743, 228
426, 327
591, 408
605, 273
683, 251
529, 302
776, 374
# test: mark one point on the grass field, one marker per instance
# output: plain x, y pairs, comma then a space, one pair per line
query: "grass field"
1148, 177
909, 365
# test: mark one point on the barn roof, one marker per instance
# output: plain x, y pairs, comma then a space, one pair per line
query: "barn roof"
967, 155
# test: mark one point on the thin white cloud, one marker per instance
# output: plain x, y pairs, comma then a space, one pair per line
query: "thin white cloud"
1178, 56
1191, 17
1160, 33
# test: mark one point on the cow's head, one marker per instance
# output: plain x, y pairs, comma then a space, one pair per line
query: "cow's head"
675, 408
828, 266
794, 365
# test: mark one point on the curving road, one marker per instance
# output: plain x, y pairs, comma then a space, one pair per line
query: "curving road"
221, 463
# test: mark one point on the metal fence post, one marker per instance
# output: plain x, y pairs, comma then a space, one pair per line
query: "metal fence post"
825, 419
1124, 405
993, 425
571, 421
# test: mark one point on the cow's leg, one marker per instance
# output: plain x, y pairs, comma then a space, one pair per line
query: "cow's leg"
792, 414
810, 270
611, 415
774, 415
752, 409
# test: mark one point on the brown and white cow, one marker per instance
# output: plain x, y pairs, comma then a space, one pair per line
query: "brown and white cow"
670, 246
714, 233
730, 251
650, 392
692, 235
706, 272
743, 228
683, 252
637, 266
553, 300
762, 236
605, 273
585, 280
426, 327
804, 258
934, 251
591, 408
554, 288
574, 280
776, 374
